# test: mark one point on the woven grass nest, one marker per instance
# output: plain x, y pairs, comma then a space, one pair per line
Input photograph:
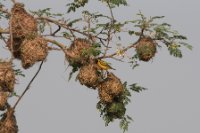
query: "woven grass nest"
8, 123
75, 51
110, 88
146, 49
32, 51
23, 25
3, 100
7, 77
16, 47
89, 76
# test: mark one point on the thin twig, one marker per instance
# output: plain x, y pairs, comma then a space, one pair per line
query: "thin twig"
50, 35
50, 28
54, 33
58, 36
56, 49
4, 31
65, 26
123, 50
60, 45
28, 86
111, 12
3, 38
11, 39
103, 43
117, 59
110, 28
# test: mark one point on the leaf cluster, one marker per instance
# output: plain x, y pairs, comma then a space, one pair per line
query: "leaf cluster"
117, 109
46, 12
134, 61
3, 14
19, 72
116, 2
72, 7
92, 51
160, 32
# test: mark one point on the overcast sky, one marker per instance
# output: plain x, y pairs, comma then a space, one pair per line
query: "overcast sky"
170, 105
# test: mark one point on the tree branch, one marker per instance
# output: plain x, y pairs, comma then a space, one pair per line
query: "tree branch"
60, 45
54, 33
2, 31
110, 28
11, 39
123, 50
28, 86
3, 38
65, 26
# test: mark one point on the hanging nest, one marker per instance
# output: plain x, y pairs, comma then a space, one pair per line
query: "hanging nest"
33, 51
146, 49
105, 97
116, 110
7, 77
16, 47
75, 51
3, 100
89, 76
110, 87
23, 25
8, 123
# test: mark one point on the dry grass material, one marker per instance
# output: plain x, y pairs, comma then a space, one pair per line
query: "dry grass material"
33, 51
23, 25
110, 87
75, 51
146, 49
88, 75
105, 97
7, 77
16, 47
3, 100
8, 123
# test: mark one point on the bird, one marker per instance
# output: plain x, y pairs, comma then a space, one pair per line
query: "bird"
104, 65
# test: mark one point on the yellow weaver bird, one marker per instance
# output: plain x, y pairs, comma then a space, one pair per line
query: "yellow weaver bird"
104, 65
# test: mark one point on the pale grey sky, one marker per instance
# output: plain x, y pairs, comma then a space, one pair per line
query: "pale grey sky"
170, 105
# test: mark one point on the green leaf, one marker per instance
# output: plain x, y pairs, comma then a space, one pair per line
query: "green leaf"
180, 37
107, 119
116, 2
73, 22
18, 72
174, 50
91, 51
45, 12
136, 88
15, 94
131, 32
129, 118
66, 34
42, 25
75, 68
124, 123
186, 45
75, 5
157, 17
